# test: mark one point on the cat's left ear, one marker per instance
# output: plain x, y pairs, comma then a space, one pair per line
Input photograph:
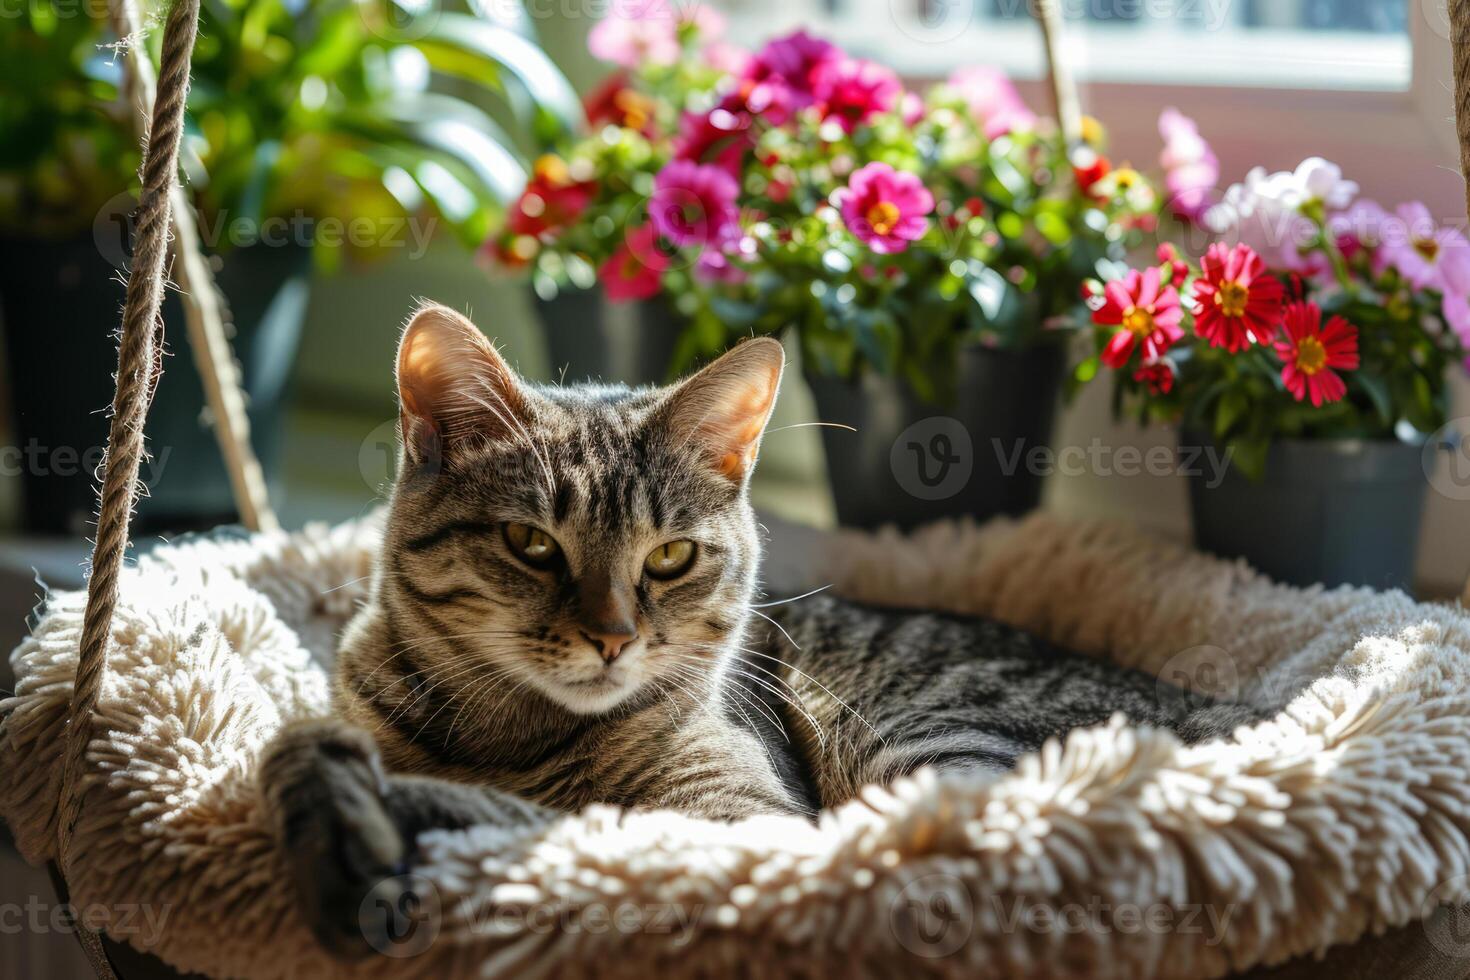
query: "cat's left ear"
723, 410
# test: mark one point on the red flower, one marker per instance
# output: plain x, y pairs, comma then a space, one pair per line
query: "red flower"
1158, 375
1310, 352
1236, 302
616, 102
1146, 315
551, 201
635, 270
1089, 173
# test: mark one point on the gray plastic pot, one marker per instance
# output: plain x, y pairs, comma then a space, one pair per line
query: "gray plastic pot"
1338, 512
911, 462
588, 338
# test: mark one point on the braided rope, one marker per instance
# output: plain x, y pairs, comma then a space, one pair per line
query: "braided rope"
1460, 46
137, 367
204, 305
1059, 76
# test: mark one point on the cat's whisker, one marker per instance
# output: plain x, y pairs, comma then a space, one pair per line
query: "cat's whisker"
781, 602
344, 585
824, 687
778, 626
789, 696
808, 425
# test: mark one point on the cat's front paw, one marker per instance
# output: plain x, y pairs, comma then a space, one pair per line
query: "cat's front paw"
325, 789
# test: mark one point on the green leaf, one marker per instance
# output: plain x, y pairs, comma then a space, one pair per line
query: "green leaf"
472, 48
1232, 407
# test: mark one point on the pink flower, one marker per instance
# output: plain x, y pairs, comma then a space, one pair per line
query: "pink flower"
1310, 352
637, 32
1191, 169
694, 204
1146, 315
885, 208
992, 99
853, 91
1428, 256
1359, 228
635, 270
723, 134
793, 60
727, 58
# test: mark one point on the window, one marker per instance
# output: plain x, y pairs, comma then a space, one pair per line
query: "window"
1360, 45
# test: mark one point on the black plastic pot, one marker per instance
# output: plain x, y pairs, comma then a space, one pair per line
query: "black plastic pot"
911, 462
59, 308
588, 338
1338, 512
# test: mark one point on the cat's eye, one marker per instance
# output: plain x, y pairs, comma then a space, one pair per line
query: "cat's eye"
531, 544
669, 560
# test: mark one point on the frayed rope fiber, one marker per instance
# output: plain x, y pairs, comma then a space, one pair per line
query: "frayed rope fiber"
1118, 853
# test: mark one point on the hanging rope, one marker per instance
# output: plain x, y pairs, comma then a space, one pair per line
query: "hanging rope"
1063, 87
1460, 46
137, 372
202, 302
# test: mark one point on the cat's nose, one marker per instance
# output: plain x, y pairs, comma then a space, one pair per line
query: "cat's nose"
610, 643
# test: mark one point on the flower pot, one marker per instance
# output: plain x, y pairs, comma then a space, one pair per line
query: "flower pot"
588, 337
59, 306
1338, 512
911, 462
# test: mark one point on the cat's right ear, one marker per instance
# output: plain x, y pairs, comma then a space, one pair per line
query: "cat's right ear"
453, 387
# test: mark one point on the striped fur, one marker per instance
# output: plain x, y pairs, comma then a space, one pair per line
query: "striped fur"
471, 665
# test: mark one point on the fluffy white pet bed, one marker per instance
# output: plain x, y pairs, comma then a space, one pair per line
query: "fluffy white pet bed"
1119, 853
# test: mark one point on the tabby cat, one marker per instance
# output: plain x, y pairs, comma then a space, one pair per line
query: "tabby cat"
565, 612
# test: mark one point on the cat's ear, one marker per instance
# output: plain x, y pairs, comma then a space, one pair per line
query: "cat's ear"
452, 384
723, 410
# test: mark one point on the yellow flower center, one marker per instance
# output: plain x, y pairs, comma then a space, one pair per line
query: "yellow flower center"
552, 169
1231, 298
1427, 247
883, 217
1138, 320
1311, 356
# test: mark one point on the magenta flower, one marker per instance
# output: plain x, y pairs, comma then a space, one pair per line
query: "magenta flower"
637, 32
694, 204
793, 60
1359, 229
1425, 254
635, 270
884, 208
992, 99
853, 91
724, 134
1191, 169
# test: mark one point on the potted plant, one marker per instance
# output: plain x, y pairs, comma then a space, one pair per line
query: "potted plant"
928, 251
318, 133
1307, 352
